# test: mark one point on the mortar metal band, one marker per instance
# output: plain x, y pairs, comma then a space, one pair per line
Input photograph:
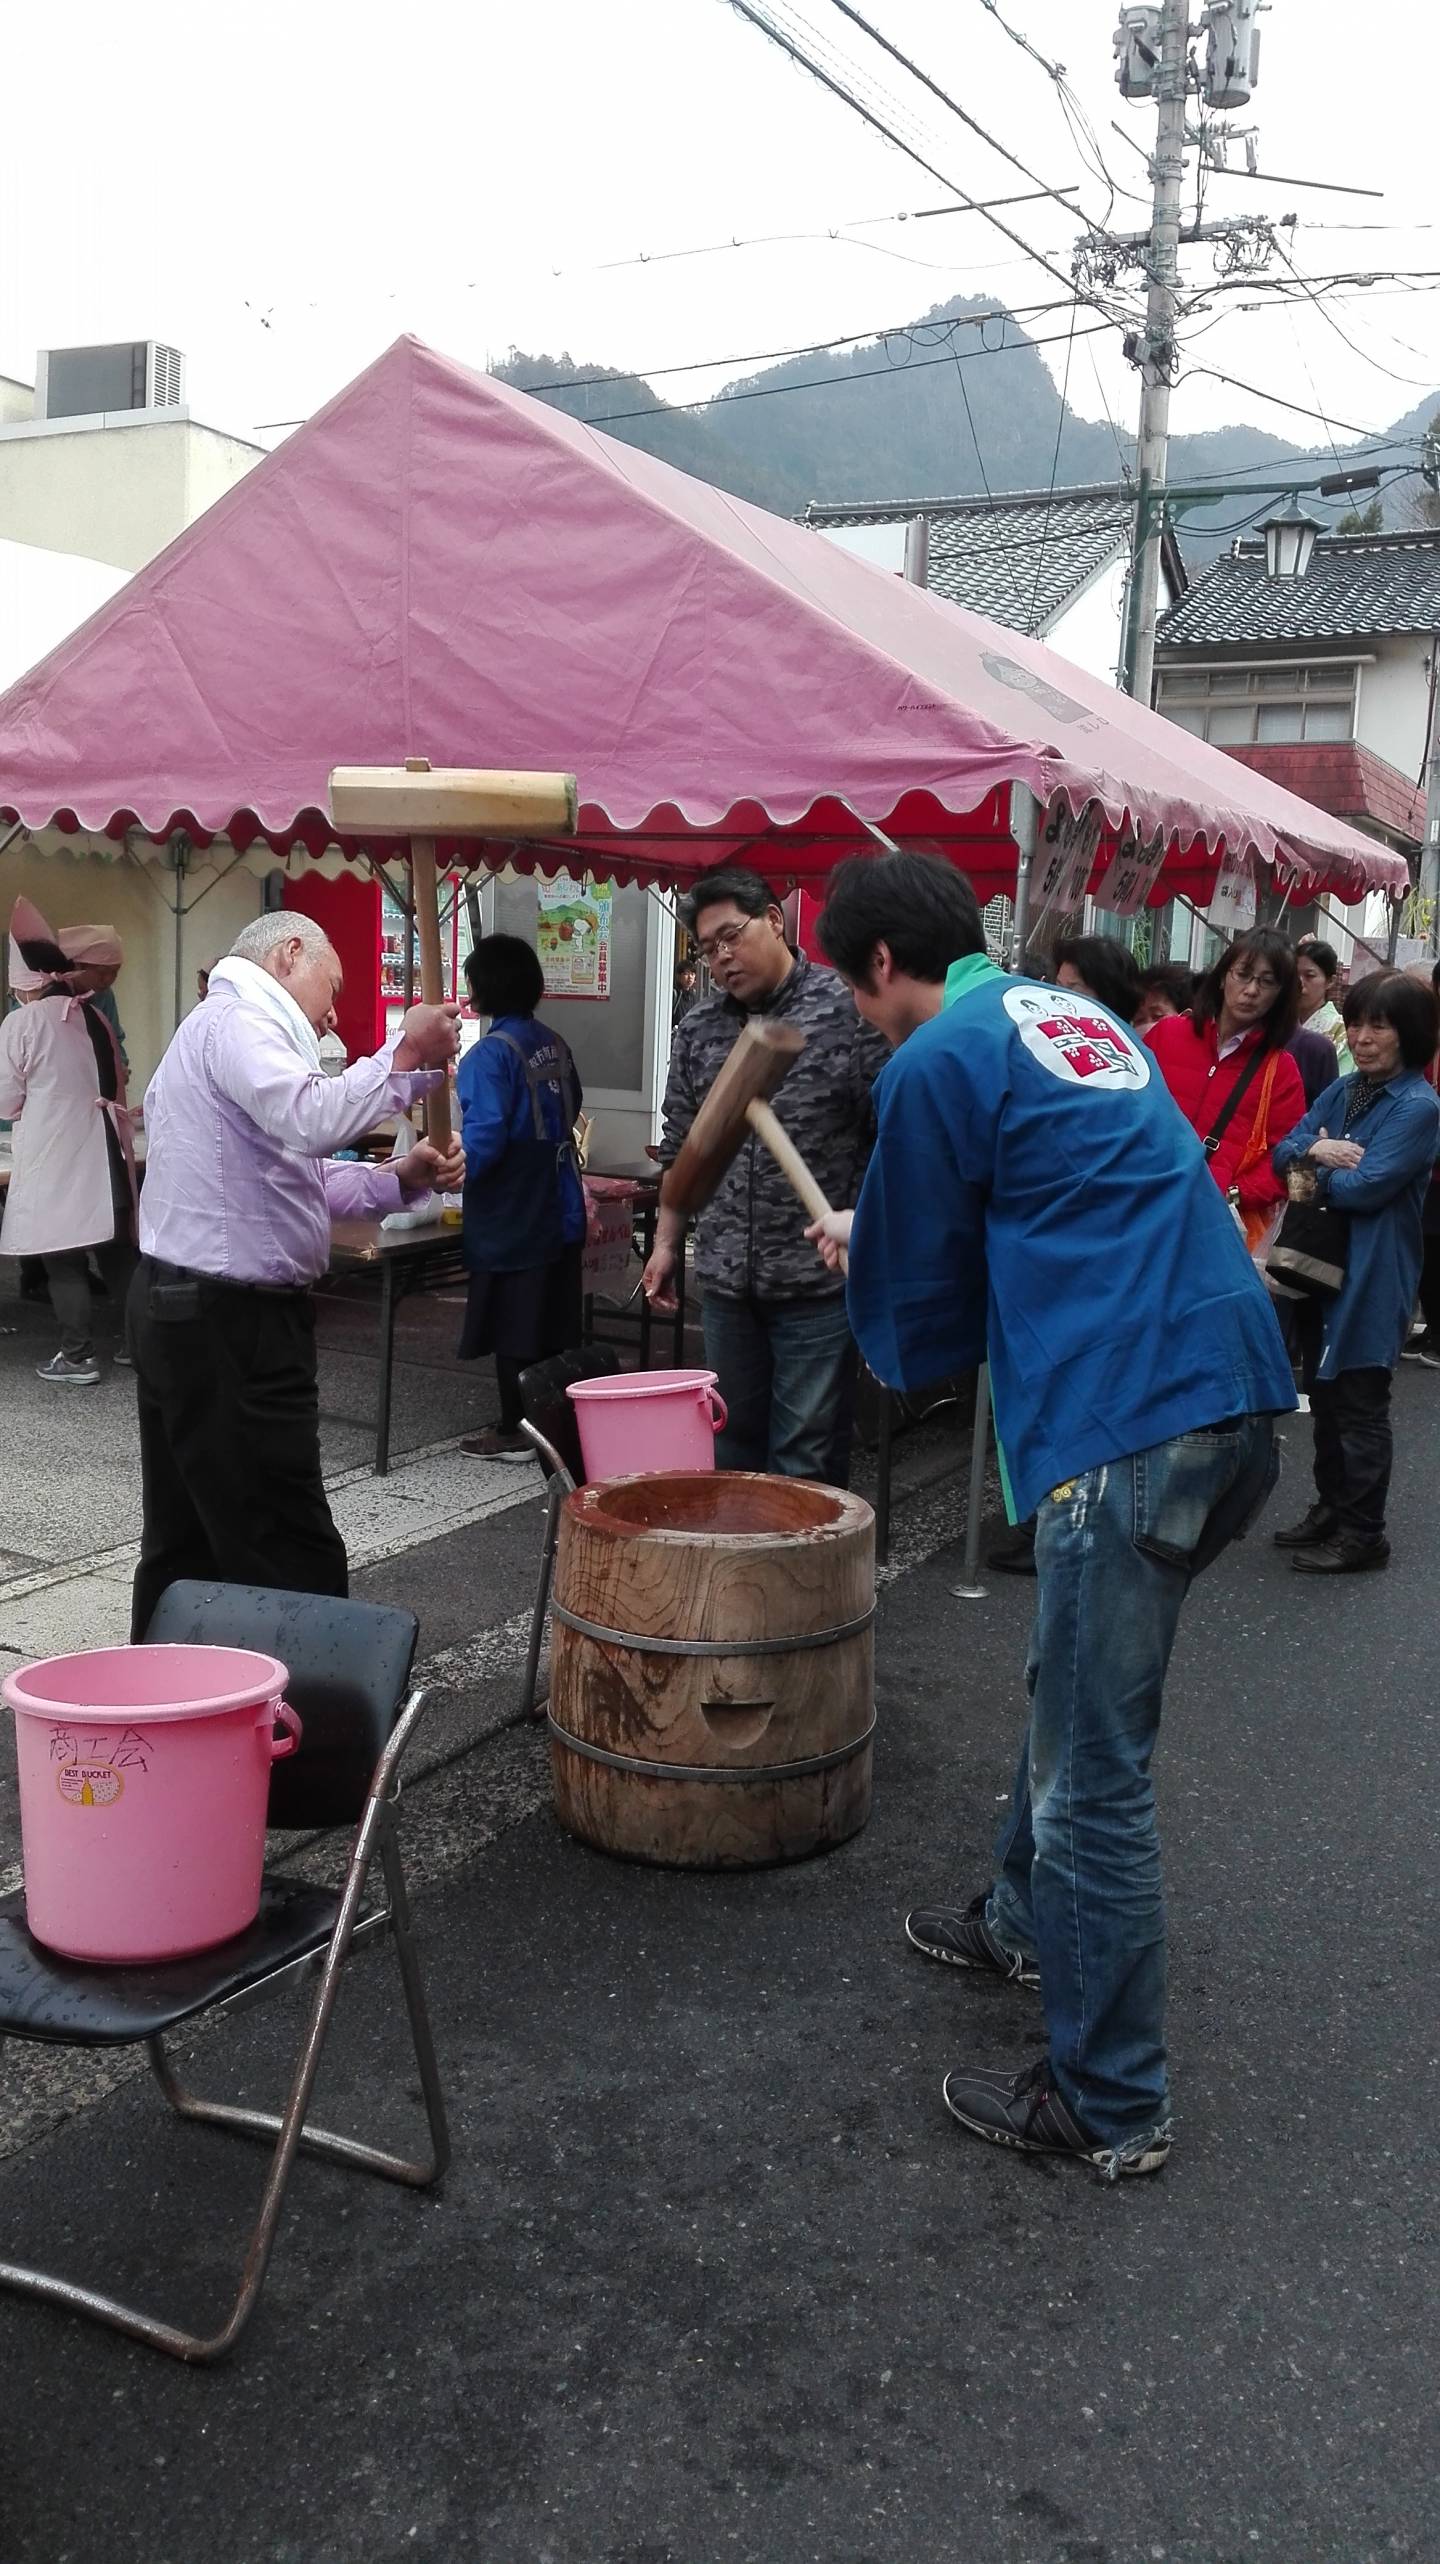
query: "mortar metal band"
711, 1646
709, 1771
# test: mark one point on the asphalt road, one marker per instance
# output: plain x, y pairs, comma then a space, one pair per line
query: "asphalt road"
714, 2276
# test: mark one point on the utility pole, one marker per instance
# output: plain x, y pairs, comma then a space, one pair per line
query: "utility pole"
1158, 351
1428, 883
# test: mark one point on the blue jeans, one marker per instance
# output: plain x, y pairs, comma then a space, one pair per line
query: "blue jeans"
787, 1374
1078, 1884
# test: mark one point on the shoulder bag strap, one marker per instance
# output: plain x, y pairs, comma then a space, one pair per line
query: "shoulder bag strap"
1228, 1109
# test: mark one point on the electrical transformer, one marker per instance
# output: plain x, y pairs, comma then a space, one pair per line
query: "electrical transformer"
1232, 52
1137, 43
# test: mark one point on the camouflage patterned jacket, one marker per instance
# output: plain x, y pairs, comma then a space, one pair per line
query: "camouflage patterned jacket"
751, 1239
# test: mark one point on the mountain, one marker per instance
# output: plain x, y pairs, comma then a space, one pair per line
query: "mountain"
935, 410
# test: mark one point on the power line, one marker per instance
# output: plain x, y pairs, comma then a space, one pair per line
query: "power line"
1054, 466
828, 80
1215, 375
1409, 381
1126, 469
984, 476
916, 72
839, 232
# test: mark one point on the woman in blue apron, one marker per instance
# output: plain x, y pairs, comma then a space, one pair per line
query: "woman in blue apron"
524, 1204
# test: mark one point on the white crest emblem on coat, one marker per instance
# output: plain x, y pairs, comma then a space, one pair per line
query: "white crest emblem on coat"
1076, 1040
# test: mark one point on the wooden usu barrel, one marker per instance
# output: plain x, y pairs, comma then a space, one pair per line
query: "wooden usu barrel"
712, 1691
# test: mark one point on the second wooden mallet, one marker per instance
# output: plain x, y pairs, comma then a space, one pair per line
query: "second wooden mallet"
737, 1104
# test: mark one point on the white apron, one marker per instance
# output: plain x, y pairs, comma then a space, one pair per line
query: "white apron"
59, 1194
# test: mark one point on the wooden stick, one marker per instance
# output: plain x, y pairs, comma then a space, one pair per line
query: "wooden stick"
432, 971
792, 1165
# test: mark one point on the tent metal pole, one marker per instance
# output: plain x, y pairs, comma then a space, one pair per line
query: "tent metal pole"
1025, 829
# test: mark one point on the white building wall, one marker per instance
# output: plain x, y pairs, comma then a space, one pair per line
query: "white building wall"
1087, 631
116, 490
1394, 698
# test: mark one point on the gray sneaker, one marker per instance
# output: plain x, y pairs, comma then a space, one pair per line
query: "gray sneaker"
83, 1374
963, 1939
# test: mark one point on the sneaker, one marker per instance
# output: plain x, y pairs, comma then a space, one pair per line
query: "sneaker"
1024, 2111
81, 1374
1013, 1553
1422, 1349
492, 1444
1342, 1556
965, 1940
1317, 1524
122, 1360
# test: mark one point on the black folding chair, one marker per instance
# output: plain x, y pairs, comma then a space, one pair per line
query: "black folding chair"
549, 1423
350, 1668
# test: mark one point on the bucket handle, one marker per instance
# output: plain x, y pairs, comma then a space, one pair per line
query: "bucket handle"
719, 1412
284, 1716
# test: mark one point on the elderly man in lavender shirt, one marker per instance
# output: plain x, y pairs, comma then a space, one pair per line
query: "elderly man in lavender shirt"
240, 1189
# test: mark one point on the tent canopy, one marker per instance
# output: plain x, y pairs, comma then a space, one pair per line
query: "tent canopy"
439, 566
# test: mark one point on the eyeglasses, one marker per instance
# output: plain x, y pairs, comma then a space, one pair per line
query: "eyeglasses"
1264, 980
722, 943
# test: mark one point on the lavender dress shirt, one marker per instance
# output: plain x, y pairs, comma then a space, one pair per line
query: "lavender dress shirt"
238, 1182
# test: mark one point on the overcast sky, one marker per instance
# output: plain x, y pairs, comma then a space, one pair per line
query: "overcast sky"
282, 196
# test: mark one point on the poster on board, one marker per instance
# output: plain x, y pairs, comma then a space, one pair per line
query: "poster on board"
573, 935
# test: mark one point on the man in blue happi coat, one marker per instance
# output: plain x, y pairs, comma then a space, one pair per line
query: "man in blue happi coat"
1036, 1198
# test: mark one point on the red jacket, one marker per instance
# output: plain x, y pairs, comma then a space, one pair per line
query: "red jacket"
1200, 1080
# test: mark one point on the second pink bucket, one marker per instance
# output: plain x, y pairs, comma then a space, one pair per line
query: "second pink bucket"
648, 1420
144, 1787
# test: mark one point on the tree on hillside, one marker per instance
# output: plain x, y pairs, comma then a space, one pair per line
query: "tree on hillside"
1363, 520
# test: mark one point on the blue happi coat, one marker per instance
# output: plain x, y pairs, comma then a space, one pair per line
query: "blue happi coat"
1037, 1197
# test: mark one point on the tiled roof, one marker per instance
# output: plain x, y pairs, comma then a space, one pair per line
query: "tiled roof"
1340, 775
1018, 559
1357, 585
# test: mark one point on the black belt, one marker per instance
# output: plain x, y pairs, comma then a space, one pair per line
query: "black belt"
226, 1282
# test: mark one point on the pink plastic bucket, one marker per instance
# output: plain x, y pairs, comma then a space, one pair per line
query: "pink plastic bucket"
648, 1420
144, 1784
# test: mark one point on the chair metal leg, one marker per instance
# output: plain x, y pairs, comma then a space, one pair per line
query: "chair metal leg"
288, 2132
558, 1490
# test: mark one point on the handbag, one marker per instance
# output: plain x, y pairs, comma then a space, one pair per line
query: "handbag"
1309, 1256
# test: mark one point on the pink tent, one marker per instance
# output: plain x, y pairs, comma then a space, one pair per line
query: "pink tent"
439, 566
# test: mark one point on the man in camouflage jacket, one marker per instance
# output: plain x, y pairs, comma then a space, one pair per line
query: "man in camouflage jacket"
774, 1318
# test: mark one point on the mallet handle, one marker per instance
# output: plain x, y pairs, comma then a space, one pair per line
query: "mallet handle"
425, 891
792, 1165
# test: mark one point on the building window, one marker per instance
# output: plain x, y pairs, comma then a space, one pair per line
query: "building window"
1237, 707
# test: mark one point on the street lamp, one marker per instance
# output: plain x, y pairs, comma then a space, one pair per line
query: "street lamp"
1289, 541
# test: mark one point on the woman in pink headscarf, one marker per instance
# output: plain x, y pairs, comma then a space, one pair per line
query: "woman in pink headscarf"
62, 1083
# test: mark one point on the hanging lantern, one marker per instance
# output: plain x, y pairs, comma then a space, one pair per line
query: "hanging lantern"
1289, 542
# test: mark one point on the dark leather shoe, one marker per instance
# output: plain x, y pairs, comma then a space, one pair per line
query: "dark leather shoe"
1342, 1556
1317, 1525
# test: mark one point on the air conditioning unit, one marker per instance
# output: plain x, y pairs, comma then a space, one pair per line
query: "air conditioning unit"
82, 382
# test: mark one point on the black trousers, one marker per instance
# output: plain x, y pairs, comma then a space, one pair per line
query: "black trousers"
1354, 1449
71, 1298
229, 1439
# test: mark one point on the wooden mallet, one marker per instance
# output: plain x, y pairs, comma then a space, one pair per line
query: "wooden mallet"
737, 1104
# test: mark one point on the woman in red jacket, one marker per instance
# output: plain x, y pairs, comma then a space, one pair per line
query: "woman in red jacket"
1226, 1065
